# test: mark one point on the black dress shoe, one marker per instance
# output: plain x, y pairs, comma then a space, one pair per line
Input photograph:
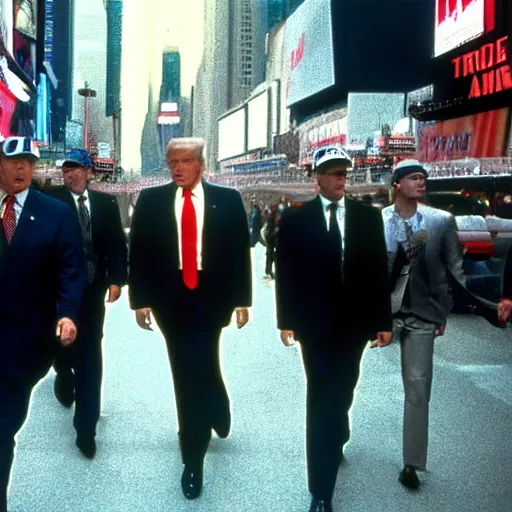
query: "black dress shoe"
64, 390
409, 478
320, 506
222, 427
87, 445
192, 482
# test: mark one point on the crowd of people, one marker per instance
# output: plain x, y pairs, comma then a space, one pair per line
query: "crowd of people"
374, 275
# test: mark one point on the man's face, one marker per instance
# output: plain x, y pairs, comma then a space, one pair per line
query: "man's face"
16, 173
413, 186
186, 168
332, 182
75, 178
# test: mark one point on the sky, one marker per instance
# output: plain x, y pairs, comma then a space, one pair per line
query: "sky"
147, 27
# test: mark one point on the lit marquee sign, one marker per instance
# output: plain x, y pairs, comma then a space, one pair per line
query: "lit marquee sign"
488, 68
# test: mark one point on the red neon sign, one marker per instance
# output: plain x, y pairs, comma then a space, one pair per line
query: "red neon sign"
488, 67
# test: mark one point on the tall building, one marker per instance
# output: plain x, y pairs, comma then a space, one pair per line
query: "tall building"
90, 66
171, 74
114, 35
233, 64
276, 12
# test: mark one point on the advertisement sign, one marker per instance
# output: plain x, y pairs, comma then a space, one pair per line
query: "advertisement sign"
25, 17
258, 122
459, 21
484, 71
232, 135
7, 106
6, 24
308, 48
170, 106
478, 136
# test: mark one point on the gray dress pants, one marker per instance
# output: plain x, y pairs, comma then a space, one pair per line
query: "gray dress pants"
417, 348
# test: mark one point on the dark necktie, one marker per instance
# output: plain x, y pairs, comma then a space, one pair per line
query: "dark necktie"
9, 218
335, 236
84, 219
409, 247
189, 241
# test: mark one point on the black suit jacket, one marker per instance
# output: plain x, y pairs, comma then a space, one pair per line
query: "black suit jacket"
108, 237
42, 277
155, 279
307, 302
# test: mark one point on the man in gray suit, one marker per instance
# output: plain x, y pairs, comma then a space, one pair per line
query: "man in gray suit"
425, 260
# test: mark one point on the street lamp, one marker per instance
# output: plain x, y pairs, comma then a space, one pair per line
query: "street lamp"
86, 93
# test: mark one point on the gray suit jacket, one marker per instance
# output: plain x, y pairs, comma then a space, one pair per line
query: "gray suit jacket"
437, 255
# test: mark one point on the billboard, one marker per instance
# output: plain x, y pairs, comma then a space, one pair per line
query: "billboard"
257, 136
308, 48
459, 21
477, 136
25, 17
7, 107
232, 135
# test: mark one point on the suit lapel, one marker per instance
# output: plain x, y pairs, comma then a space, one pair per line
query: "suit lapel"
170, 225
209, 222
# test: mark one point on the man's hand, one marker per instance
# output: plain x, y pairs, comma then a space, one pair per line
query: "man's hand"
143, 318
242, 317
114, 292
384, 339
440, 330
504, 310
66, 331
288, 338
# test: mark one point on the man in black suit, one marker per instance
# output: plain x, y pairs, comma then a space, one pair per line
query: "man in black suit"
332, 293
80, 368
42, 279
190, 266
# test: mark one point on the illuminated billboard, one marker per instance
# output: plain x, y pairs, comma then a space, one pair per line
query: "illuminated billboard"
308, 48
232, 135
459, 21
257, 136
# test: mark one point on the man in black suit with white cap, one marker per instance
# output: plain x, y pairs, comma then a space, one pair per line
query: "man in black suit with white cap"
333, 308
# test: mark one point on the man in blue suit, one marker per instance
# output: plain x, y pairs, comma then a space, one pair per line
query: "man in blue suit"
42, 279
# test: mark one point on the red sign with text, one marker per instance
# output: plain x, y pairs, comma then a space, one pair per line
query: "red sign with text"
477, 136
488, 68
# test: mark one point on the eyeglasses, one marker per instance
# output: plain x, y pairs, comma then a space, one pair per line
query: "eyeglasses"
14, 146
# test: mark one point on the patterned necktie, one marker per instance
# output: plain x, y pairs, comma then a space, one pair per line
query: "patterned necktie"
84, 219
9, 218
189, 240
335, 235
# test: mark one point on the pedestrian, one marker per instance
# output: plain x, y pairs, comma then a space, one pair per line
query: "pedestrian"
42, 278
425, 260
333, 309
255, 222
79, 368
269, 235
191, 270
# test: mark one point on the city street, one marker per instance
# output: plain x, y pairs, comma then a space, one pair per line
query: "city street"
261, 465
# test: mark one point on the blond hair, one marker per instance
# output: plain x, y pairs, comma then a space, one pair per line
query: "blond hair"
195, 144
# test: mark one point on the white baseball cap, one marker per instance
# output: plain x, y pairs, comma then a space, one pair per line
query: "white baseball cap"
330, 153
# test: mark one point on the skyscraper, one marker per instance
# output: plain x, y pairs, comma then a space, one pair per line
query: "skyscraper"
233, 64
276, 12
171, 74
114, 35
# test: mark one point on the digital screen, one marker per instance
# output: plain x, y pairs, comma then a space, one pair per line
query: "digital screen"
458, 21
308, 46
232, 135
258, 122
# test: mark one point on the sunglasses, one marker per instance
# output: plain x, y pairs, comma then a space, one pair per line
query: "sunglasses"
14, 146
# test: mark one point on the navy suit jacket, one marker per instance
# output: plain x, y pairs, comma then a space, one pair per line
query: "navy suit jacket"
155, 279
42, 278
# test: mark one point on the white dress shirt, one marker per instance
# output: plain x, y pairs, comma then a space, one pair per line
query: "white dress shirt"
87, 203
199, 206
340, 214
19, 202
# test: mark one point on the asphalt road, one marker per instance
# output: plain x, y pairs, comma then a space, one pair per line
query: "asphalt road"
261, 466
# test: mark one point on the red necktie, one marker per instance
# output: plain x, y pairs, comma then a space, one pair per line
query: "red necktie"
189, 240
9, 219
